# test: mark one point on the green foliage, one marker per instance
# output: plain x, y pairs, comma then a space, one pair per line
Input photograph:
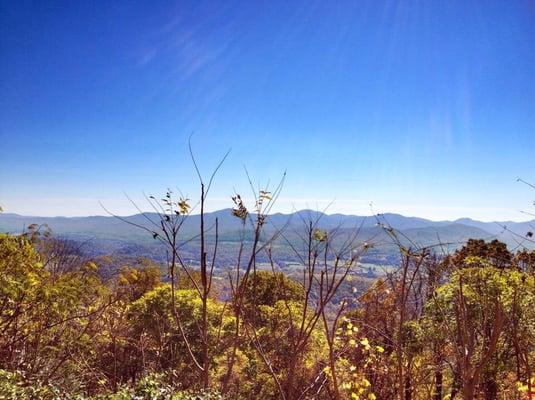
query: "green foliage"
468, 307
150, 387
21, 269
135, 282
153, 318
477, 252
266, 289
482, 289
12, 387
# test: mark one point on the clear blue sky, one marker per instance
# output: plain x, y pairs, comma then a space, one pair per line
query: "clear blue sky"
424, 108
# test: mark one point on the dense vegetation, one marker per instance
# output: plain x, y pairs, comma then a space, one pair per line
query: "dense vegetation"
440, 326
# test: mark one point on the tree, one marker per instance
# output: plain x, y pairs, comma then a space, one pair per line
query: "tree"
46, 320
266, 288
473, 310
154, 324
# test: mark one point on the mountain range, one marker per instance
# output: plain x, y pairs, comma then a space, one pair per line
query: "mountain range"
109, 234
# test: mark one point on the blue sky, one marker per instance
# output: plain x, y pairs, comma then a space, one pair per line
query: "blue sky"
424, 108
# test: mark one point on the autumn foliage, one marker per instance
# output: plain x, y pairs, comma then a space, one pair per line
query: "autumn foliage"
458, 326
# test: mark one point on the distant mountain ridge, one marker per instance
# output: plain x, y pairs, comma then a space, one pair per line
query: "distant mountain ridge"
109, 227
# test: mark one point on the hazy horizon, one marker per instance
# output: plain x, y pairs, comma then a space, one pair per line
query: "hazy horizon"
524, 216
